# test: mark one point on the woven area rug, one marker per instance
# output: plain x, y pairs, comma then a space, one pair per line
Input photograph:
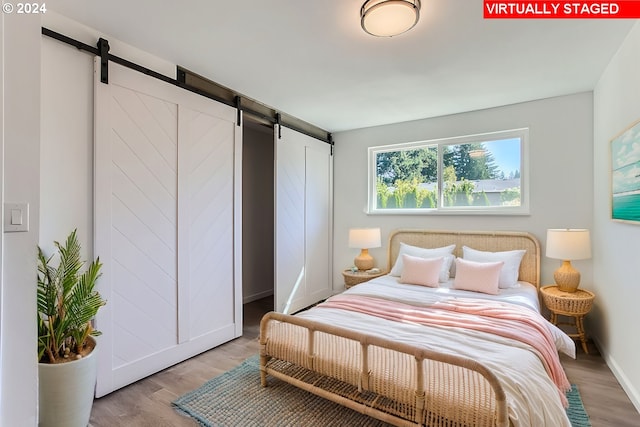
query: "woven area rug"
236, 398
577, 415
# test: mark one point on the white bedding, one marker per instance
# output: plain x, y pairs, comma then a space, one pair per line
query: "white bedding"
523, 293
532, 397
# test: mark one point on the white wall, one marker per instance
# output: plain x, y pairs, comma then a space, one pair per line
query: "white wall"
560, 165
20, 141
66, 183
616, 245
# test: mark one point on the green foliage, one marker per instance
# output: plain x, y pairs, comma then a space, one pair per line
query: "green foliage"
402, 193
406, 172
481, 199
67, 301
459, 194
471, 161
420, 194
402, 188
407, 165
432, 197
510, 196
383, 192
449, 174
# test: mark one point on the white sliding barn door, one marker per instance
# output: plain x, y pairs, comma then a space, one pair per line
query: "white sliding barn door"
206, 223
167, 228
303, 221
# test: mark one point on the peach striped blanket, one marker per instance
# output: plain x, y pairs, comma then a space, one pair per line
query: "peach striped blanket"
503, 319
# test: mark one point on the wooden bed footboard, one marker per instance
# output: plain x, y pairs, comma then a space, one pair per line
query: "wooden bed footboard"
395, 382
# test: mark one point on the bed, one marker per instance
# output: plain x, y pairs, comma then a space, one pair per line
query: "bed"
410, 354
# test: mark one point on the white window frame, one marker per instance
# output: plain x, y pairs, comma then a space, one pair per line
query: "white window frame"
523, 209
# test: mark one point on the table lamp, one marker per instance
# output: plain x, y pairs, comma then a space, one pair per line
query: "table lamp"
364, 239
568, 244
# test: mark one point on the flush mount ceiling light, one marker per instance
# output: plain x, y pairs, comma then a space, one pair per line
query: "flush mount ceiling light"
388, 18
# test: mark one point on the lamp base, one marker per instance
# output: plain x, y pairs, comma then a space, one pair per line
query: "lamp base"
364, 261
567, 278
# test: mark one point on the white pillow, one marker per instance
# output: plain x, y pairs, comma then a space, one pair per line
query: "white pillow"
511, 259
445, 251
477, 276
421, 271
445, 267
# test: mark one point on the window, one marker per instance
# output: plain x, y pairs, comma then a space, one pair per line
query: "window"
476, 174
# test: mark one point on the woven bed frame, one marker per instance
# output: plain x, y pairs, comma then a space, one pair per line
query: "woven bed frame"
394, 382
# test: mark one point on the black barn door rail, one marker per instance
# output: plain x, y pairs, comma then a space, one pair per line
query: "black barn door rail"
102, 50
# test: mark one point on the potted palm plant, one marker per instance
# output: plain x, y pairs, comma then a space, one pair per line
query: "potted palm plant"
67, 304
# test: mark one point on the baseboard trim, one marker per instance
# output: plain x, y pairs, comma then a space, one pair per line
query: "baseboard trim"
626, 385
250, 298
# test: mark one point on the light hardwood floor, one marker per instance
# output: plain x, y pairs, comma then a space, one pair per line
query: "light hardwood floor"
148, 401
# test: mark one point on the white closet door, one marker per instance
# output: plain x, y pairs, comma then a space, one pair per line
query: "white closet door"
318, 224
303, 221
290, 210
207, 160
166, 225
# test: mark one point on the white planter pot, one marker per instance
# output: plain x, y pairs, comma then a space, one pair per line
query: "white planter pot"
65, 392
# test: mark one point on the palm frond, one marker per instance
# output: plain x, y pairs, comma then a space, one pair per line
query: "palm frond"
67, 300
70, 262
47, 285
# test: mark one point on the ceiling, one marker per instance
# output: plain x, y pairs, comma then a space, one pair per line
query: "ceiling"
310, 59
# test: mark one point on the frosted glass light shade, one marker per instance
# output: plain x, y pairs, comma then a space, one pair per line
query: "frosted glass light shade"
388, 18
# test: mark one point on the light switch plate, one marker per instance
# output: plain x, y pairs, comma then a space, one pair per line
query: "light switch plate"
16, 213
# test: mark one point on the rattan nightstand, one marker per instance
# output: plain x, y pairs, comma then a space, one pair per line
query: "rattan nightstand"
352, 278
571, 304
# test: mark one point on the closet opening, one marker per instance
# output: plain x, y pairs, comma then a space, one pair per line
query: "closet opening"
258, 205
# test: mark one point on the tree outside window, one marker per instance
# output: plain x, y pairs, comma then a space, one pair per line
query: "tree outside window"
481, 173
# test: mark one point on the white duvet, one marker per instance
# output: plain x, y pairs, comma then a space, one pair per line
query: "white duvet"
532, 397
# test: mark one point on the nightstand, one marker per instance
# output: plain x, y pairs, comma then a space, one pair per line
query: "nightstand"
352, 278
571, 304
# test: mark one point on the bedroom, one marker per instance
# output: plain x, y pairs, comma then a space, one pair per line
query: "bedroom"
594, 118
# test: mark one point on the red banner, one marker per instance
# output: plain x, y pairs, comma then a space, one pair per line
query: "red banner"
625, 9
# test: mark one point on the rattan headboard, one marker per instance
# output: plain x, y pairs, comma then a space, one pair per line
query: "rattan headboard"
493, 241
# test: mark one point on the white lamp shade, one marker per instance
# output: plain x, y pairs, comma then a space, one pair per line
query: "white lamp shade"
364, 238
568, 244
387, 18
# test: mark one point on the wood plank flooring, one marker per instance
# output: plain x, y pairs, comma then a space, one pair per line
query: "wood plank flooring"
148, 401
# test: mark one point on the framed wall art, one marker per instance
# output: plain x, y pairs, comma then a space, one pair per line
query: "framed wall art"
625, 175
